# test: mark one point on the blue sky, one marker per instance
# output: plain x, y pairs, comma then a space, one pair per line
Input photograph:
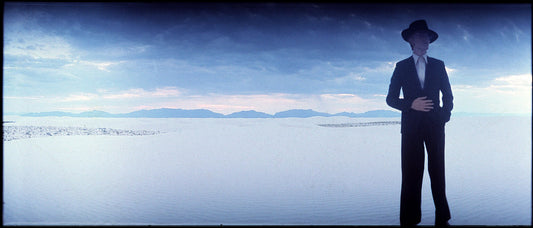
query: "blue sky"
123, 57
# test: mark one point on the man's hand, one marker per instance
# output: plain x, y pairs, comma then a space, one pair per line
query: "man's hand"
422, 104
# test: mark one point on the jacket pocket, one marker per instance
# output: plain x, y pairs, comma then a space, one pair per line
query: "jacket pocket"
444, 116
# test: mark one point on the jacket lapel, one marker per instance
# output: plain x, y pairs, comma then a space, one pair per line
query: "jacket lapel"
429, 74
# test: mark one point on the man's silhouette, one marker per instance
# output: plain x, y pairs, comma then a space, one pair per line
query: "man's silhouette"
421, 79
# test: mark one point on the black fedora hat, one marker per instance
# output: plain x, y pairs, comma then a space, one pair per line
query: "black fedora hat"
416, 26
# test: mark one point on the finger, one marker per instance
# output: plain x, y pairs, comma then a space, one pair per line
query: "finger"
428, 107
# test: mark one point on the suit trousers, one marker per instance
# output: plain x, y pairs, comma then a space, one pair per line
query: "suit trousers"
432, 135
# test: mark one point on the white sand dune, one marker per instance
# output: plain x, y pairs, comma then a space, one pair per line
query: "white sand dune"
22, 132
361, 124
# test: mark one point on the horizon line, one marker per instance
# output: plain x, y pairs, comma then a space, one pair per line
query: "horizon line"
461, 113
205, 109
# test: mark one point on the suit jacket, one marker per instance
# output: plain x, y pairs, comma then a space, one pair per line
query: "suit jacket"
405, 78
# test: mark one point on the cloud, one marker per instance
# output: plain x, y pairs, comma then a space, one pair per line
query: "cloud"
450, 70
513, 81
358, 77
25, 37
23, 98
132, 93
506, 94
350, 78
79, 97
141, 93
101, 65
103, 95
464, 33
37, 45
385, 67
125, 49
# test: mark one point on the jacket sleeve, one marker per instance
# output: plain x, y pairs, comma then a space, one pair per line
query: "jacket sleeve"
393, 95
447, 96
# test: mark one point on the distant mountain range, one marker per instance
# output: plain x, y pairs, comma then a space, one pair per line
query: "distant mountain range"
203, 113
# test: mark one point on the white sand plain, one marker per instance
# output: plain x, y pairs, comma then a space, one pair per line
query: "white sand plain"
254, 171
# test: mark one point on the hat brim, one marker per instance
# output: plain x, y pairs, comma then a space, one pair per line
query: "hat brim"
409, 32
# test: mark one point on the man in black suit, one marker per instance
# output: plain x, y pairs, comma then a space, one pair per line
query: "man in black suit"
421, 79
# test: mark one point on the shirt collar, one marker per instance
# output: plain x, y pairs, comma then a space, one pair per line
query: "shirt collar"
415, 57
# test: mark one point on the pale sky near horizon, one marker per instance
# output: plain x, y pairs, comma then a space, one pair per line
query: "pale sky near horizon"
123, 57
